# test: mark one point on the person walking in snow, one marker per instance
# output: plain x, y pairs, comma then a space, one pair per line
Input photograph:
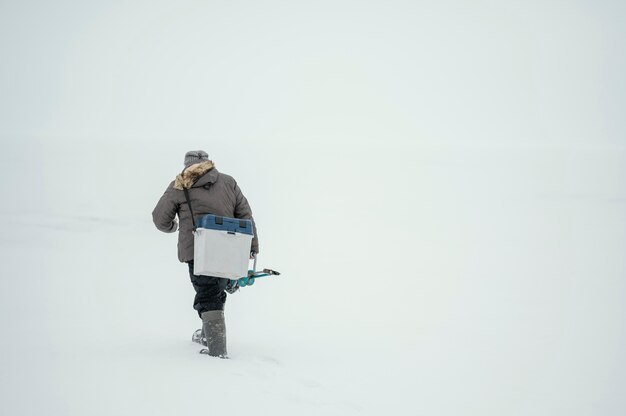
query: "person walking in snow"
210, 192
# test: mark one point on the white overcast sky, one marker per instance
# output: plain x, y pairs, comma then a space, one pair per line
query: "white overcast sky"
491, 72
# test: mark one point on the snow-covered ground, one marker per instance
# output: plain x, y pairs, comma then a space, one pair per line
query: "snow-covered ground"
442, 186
500, 290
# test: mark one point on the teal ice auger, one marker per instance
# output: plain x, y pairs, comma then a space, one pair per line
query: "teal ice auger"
253, 275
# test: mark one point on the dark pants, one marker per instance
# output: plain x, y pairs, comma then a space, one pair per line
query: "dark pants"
210, 293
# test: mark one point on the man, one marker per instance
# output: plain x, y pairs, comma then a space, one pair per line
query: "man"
210, 192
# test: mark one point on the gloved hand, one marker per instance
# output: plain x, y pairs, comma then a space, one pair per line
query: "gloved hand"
231, 286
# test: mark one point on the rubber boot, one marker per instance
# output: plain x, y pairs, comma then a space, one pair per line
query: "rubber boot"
214, 329
198, 337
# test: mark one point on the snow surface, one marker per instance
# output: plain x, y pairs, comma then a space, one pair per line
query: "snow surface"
447, 207
494, 299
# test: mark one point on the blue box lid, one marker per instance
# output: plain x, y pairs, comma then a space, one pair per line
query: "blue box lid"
215, 222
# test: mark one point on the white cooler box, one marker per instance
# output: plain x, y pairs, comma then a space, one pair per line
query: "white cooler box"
222, 247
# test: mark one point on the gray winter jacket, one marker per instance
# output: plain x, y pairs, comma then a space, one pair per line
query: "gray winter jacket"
210, 192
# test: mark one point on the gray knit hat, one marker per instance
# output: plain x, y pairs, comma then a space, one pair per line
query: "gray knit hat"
195, 156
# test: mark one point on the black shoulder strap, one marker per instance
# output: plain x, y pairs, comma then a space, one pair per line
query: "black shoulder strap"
193, 221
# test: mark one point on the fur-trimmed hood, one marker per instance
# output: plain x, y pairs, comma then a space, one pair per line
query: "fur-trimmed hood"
190, 175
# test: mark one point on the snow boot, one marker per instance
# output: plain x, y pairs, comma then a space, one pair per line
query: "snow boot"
198, 337
214, 329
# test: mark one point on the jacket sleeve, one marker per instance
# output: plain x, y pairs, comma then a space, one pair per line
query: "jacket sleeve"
243, 211
164, 214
